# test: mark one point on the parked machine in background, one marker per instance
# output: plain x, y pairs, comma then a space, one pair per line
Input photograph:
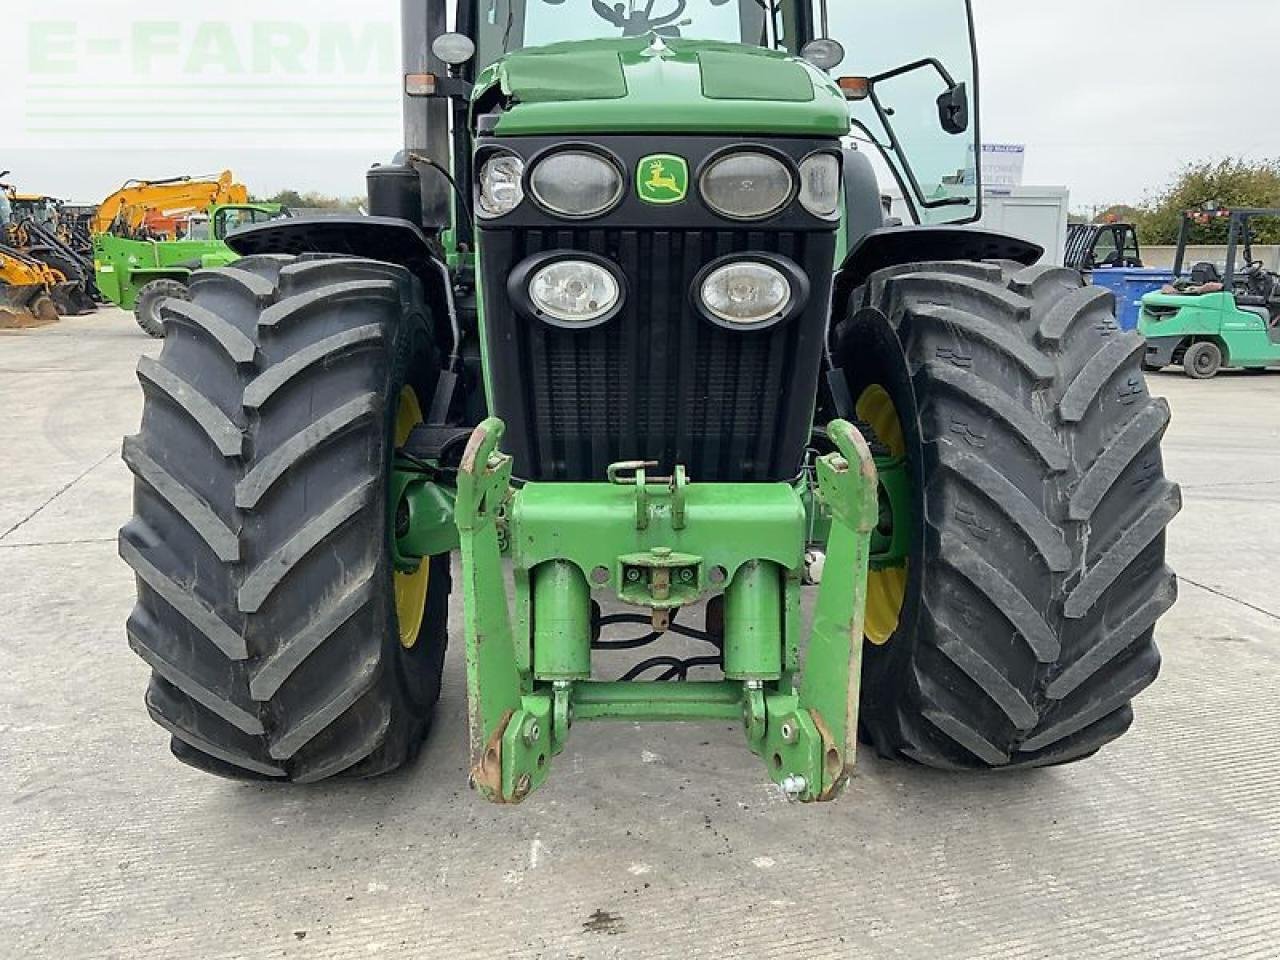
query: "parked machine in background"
1102, 246
627, 255
35, 229
77, 226
158, 233
26, 284
154, 209
1216, 315
1109, 255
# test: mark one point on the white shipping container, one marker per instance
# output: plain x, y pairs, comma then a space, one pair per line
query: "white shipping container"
1038, 214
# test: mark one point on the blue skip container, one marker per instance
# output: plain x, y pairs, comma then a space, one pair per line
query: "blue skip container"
1130, 285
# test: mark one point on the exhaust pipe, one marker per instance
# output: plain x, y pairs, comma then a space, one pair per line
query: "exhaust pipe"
426, 119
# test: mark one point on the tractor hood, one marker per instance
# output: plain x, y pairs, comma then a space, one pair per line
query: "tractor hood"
676, 86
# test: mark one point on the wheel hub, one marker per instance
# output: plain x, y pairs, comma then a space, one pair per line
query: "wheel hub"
891, 540
410, 586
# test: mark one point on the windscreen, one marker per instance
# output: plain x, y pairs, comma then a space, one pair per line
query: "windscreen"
507, 25
916, 52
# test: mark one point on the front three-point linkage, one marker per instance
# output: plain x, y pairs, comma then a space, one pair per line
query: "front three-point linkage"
659, 545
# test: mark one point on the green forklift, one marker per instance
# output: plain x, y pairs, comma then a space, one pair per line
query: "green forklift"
1213, 316
626, 331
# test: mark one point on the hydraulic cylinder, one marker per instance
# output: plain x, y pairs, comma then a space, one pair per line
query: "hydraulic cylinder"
753, 623
561, 622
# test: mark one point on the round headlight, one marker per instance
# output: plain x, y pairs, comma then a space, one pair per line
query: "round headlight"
747, 186
820, 185
574, 291
745, 293
574, 183
501, 190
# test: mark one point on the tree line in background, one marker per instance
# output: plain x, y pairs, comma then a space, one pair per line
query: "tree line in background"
1225, 183
312, 200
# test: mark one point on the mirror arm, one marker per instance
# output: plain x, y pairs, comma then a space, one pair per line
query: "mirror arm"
908, 68
453, 88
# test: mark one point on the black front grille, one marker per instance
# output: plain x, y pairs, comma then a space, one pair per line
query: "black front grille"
659, 381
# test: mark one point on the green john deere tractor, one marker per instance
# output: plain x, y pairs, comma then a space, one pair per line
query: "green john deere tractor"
140, 273
1212, 317
626, 328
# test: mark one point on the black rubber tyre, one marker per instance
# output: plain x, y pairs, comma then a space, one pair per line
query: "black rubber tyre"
1203, 360
74, 299
146, 309
260, 536
1037, 567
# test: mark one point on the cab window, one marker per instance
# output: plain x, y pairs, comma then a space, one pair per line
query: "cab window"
1106, 252
507, 25
922, 111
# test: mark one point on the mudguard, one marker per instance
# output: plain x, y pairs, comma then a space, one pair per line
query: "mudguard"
385, 239
388, 239
890, 246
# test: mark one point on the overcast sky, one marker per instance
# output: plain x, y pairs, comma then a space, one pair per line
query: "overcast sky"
1110, 98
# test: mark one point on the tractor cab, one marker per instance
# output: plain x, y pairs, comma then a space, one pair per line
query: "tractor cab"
194, 227
41, 209
1102, 246
228, 219
1218, 313
220, 221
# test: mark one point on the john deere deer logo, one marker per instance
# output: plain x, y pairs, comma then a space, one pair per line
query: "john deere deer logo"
663, 178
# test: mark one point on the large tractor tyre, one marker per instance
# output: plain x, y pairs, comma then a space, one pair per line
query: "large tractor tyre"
151, 298
283, 642
1021, 624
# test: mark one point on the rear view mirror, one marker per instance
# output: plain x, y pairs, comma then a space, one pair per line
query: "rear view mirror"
953, 109
912, 89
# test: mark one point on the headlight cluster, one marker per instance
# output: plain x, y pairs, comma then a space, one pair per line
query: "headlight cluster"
575, 183
574, 291
741, 291
570, 183
501, 185
746, 292
747, 185
581, 183
752, 185
820, 185
579, 290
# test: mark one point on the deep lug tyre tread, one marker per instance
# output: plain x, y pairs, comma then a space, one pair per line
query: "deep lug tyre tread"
258, 539
1031, 619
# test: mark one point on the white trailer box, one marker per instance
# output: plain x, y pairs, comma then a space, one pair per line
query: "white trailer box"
1038, 214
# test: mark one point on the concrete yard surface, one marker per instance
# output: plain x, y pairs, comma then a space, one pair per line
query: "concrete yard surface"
662, 841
